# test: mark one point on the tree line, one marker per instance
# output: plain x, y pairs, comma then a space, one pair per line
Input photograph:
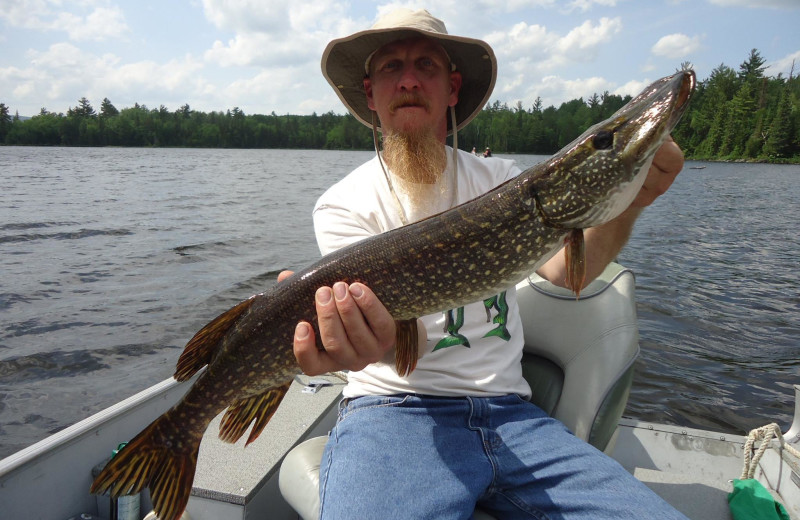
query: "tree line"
735, 115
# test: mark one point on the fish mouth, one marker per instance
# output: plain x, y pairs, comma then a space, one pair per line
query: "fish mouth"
688, 83
650, 120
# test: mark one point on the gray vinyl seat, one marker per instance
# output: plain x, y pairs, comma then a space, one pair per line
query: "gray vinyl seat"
579, 357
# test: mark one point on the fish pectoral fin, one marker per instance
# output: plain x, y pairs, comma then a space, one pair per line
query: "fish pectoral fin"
155, 460
575, 259
406, 346
201, 348
258, 407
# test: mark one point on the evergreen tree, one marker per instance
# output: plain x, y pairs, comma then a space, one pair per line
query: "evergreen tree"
779, 142
5, 122
752, 69
739, 123
107, 109
84, 109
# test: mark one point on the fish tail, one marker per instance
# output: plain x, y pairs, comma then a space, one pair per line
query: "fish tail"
406, 346
163, 463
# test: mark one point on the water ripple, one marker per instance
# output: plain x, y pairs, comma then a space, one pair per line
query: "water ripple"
112, 259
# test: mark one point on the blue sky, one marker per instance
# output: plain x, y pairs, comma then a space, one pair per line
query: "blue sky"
263, 55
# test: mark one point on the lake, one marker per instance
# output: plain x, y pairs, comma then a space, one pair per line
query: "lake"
111, 259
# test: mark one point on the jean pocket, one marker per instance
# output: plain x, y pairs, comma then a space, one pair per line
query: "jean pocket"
351, 405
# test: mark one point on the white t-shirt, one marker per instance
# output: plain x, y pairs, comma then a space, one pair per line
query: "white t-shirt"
361, 205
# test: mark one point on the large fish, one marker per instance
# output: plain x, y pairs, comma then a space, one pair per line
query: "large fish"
463, 255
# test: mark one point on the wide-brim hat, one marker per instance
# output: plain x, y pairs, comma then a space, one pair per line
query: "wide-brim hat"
344, 61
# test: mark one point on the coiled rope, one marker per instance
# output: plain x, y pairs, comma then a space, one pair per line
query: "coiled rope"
765, 434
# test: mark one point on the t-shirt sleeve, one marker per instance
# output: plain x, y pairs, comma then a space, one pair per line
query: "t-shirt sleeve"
337, 226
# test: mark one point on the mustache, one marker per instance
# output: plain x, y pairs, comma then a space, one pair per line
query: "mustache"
408, 99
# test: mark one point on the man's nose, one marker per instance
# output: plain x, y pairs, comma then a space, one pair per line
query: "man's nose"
409, 79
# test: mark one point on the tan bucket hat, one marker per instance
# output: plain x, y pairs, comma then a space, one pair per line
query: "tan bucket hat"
344, 60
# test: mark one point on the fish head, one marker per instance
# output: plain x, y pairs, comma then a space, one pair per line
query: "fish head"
597, 176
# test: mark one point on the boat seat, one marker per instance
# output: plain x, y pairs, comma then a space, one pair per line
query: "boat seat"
578, 359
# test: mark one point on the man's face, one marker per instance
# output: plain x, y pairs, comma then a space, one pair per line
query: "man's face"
411, 86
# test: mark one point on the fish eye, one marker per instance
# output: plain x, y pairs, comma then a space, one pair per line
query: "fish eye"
603, 140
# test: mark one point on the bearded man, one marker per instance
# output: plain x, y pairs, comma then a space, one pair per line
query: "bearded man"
458, 431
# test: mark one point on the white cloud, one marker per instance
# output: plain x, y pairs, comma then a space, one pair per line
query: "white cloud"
676, 45
87, 20
582, 42
534, 45
248, 15
632, 88
585, 5
100, 24
775, 4
529, 55
784, 65
554, 90
64, 72
269, 33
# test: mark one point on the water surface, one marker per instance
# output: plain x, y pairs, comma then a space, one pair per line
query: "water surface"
112, 258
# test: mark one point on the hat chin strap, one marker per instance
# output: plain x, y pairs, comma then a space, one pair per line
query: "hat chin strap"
454, 188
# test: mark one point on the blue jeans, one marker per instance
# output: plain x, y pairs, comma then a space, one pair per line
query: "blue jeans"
413, 457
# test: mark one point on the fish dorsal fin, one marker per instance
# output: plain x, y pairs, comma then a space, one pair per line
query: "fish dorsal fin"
201, 348
259, 407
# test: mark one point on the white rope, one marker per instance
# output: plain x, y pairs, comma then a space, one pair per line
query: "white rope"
765, 434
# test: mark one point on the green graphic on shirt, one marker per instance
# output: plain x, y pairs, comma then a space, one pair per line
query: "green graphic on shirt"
454, 320
452, 326
499, 304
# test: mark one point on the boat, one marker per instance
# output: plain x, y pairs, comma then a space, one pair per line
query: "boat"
580, 374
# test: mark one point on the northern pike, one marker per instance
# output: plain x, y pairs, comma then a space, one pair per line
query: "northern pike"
463, 255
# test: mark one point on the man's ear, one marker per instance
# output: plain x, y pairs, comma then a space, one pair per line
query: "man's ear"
455, 87
368, 91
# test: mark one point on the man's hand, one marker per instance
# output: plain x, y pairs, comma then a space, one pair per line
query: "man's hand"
604, 242
667, 164
355, 330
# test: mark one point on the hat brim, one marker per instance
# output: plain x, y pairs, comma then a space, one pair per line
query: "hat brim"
344, 58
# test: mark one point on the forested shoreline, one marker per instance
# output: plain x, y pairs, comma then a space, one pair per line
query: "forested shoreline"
735, 115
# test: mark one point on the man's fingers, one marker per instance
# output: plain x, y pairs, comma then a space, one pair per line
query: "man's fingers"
381, 323
355, 330
337, 324
311, 359
667, 164
669, 158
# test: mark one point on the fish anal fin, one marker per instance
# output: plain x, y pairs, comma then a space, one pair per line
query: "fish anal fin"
150, 460
260, 408
201, 348
406, 346
575, 259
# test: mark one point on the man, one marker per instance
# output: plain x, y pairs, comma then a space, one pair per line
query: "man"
458, 431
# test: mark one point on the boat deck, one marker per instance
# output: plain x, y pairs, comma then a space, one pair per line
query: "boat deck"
690, 469
232, 478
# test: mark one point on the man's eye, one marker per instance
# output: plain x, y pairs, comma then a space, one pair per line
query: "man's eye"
426, 63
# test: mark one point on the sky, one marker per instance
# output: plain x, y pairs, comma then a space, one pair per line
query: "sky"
263, 56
